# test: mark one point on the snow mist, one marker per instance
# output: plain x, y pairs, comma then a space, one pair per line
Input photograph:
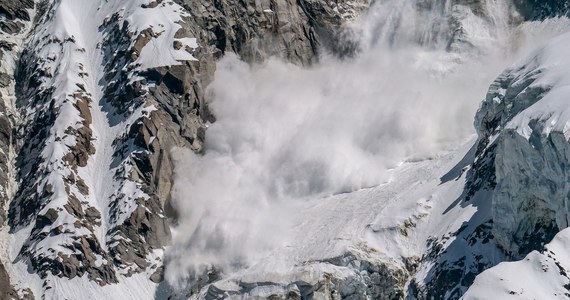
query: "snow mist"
287, 135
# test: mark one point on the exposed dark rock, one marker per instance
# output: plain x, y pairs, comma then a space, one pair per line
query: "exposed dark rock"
11, 27
158, 275
152, 4
5, 79
16, 9
141, 40
542, 9
371, 279
6, 290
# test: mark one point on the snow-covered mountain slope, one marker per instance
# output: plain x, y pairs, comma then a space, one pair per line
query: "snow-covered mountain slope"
289, 149
540, 275
79, 189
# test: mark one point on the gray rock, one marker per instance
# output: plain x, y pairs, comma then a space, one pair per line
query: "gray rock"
11, 27
542, 9
158, 275
16, 9
6, 290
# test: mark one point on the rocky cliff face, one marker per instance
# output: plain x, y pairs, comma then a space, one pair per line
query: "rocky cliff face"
294, 30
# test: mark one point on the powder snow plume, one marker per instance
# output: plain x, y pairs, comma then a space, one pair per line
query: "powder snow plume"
285, 135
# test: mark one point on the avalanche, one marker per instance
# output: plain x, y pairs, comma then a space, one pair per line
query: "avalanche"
321, 172
358, 177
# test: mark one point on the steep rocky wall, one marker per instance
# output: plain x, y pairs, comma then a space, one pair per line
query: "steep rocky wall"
179, 91
14, 25
515, 175
256, 29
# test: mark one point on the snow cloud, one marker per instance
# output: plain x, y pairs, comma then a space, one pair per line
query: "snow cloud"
285, 135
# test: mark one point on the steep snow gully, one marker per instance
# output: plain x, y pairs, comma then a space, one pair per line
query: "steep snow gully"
358, 177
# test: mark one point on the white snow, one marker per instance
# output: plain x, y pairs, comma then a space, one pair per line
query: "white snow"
552, 110
164, 21
541, 275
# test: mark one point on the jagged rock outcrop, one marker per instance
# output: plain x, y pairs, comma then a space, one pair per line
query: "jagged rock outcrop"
15, 22
6, 290
15, 11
